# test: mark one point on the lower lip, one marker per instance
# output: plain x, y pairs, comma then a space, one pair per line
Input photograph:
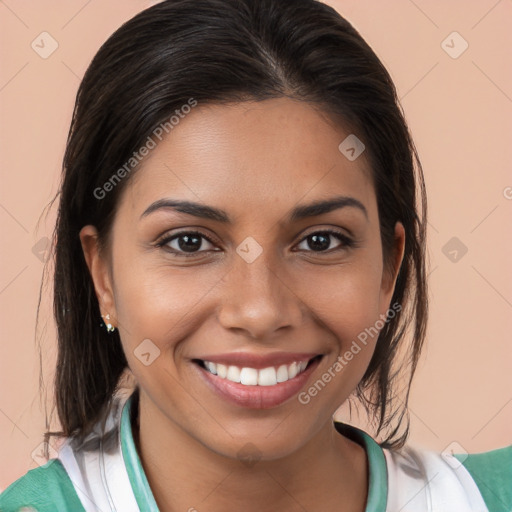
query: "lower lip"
257, 397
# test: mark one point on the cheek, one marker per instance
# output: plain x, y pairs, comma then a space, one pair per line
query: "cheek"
157, 308
160, 303
347, 299
346, 303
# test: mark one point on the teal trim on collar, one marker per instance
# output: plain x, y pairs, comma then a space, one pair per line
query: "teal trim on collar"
138, 480
378, 470
377, 481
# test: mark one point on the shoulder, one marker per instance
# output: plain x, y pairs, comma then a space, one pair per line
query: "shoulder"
449, 481
492, 472
44, 489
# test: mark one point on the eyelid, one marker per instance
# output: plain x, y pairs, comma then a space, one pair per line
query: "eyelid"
331, 230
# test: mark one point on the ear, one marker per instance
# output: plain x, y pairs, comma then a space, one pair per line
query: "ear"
99, 270
390, 271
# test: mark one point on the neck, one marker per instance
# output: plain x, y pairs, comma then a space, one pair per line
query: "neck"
328, 473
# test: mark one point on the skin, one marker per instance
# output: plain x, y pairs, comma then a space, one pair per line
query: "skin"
256, 161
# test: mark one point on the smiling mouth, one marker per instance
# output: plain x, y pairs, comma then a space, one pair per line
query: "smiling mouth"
247, 376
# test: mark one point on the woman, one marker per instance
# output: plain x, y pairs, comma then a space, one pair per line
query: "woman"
239, 230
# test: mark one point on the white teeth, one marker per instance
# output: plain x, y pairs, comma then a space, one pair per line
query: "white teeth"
212, 367
233, 374
267, 377
252, 377
222, 370
249, 376
293, 370
282, 373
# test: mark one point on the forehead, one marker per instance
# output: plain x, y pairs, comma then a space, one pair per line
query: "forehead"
249, 156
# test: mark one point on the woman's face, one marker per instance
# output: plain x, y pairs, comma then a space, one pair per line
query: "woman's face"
241, 281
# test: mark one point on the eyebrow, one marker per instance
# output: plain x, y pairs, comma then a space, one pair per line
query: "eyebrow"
299, 212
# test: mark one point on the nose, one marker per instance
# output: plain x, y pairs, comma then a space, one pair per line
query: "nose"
258, 299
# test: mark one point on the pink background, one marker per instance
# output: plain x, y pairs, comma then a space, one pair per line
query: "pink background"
459, 111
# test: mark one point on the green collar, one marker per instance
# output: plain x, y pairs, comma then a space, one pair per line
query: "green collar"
378, 471
138, 480
377, 485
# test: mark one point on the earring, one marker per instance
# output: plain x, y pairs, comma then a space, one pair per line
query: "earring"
110, 327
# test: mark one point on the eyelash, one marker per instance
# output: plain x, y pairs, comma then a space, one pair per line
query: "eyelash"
346, 242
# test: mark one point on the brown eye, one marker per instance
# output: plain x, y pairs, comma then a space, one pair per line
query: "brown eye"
186, 243
320, 241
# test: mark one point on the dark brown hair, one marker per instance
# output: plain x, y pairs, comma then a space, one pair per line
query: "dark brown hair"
219, 51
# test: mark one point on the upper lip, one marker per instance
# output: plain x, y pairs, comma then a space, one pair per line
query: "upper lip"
259, 361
